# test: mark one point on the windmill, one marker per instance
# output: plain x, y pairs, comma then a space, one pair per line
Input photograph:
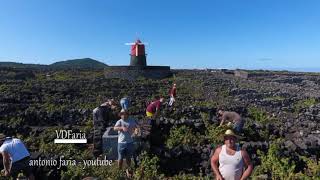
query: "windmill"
138, 55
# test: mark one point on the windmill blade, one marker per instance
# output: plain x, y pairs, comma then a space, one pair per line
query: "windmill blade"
136, 43
142, 43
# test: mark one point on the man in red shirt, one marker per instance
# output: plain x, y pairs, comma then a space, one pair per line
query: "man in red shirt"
173, 93
153, 109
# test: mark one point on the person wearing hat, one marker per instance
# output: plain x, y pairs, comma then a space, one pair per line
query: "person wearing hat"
125, 127
234, 162
15, 157
173, 94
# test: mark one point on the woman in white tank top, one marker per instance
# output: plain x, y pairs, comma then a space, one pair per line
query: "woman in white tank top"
232, 160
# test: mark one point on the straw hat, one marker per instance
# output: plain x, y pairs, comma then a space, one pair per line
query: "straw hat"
230, 132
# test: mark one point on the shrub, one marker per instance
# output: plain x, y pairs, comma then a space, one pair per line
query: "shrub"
47, 146
148, 167
88, 126
313, 167
3, 88
223, 92
214, 133
102, 172
305, 103
259, 115
208, 103
205, 118
181, 135
278, 167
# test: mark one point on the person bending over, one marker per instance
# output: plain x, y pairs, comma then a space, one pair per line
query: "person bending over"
153, 110
231, 117
15, 157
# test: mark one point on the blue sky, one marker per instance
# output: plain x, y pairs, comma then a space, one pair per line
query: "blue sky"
250, 34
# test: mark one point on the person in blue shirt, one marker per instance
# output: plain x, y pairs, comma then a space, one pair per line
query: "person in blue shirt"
15, 157
125, 103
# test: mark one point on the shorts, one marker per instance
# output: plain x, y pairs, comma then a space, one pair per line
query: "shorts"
21, 166
238, 126
125, 150
149, 114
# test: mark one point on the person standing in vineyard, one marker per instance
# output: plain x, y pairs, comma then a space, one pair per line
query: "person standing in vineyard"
173, 94
234, 162
126, 127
